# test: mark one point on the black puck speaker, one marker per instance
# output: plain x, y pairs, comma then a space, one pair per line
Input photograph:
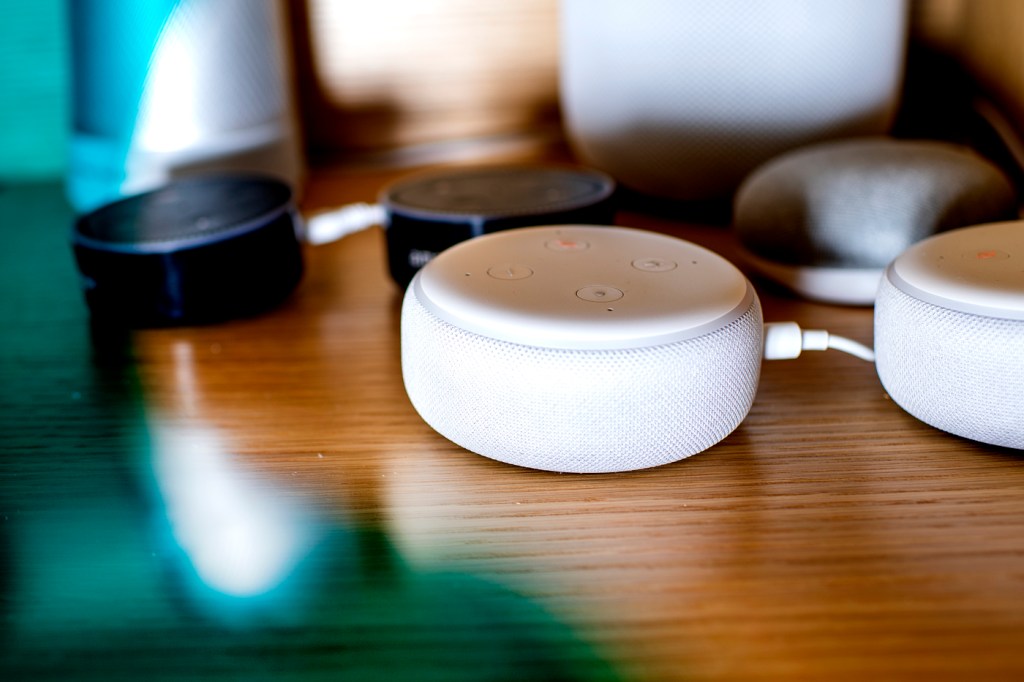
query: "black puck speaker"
199, 250
431, 211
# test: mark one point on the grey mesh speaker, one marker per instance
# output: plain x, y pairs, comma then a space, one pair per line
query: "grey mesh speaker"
684, 99
580, 348
826, 219
949, 332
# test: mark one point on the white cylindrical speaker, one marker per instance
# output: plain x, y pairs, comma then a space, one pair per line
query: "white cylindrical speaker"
683, 99
581, 348
949, 332
178, 87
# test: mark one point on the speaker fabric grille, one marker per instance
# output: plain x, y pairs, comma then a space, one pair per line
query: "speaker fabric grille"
860, 203
958, 372
575, 410
684, 99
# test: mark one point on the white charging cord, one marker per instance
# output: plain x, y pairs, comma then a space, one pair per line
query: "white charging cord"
782, 340
340, 222
786, 340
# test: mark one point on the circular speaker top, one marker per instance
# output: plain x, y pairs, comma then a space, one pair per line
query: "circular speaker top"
185, 214
432, 211
977, 270
496, 192
583, 287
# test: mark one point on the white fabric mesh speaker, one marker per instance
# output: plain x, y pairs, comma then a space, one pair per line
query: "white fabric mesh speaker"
582, 411
683, 99
581, 348
956, 370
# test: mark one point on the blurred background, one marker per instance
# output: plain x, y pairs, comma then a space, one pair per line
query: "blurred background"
404, 82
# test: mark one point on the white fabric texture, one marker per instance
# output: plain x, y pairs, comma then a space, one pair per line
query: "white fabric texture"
575, 410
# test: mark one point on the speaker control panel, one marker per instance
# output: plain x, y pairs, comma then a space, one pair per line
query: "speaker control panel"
977, 270
582, 286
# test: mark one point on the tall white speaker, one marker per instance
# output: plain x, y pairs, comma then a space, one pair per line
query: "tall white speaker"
168, 88
683, 99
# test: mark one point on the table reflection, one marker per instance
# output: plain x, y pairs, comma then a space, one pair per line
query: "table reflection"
139, 541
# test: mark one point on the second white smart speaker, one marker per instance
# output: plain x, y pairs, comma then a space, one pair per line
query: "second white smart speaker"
949, 332
581, 348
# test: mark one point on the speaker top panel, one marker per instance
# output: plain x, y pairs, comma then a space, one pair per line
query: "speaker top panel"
583, 287
977, 270
488, 193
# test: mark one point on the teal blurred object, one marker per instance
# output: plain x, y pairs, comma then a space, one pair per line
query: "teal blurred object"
111, 43
34, 89
167, 88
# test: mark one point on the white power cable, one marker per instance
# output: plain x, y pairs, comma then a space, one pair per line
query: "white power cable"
341, 222
786, 340
850, 346
782, 340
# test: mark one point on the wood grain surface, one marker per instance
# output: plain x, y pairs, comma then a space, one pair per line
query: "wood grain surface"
259, 500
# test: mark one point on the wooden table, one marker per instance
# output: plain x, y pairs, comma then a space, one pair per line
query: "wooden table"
258, 500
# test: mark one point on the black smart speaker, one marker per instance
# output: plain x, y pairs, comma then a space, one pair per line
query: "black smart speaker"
428, 212
198, 250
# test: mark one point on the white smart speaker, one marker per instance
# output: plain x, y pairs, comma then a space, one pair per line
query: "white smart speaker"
949, 332
581, 348
683, 99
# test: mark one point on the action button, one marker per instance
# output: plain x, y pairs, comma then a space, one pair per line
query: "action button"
986, 254
567, 245
654, 264
510, 271
599, 294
